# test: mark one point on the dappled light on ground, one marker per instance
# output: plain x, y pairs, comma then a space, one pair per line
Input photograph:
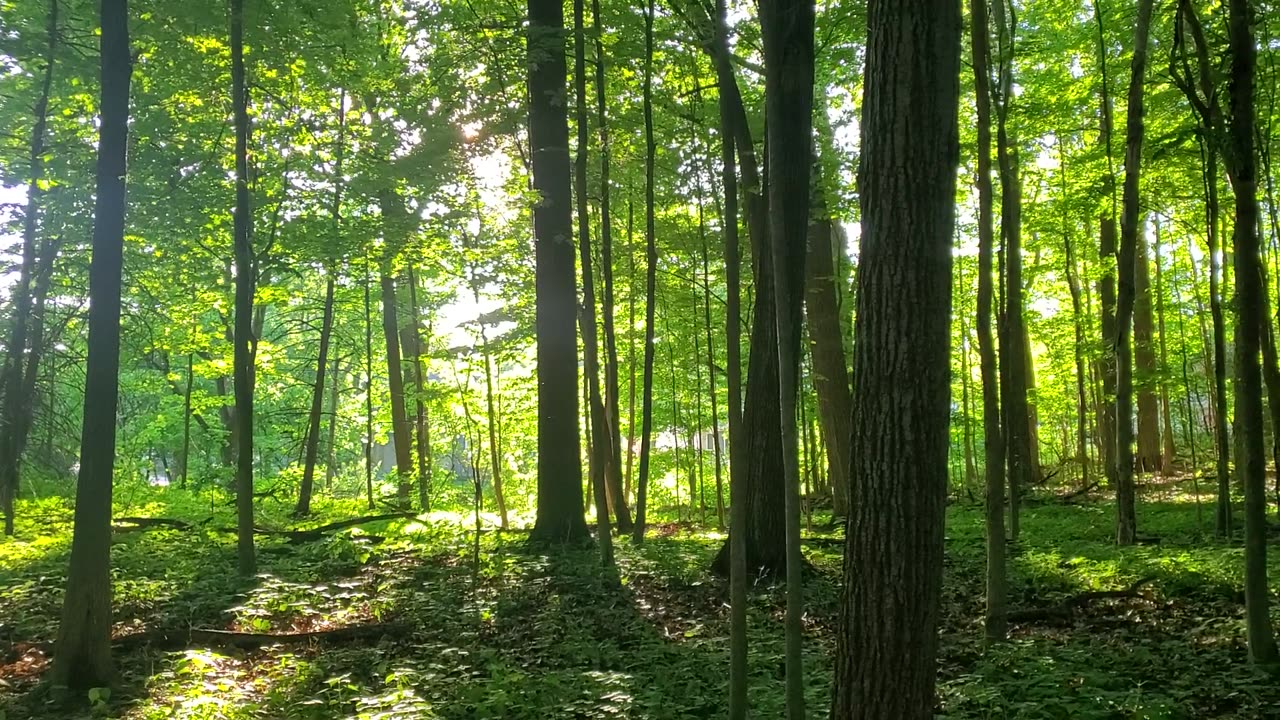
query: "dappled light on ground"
530, 634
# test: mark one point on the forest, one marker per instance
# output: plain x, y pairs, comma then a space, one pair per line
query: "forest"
673, 359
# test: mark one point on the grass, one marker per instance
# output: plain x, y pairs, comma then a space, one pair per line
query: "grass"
530, 635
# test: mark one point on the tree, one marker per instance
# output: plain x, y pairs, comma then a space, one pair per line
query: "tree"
1126, 519
995, 624
1251, 322
245, 282
83, 657
651, 279
326, 329
787, 27
613, 471
887, 634
560, 506
15, 413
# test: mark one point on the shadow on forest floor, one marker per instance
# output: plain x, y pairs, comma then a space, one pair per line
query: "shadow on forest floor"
532, 635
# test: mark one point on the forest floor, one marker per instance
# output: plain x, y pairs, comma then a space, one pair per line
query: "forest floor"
527, 635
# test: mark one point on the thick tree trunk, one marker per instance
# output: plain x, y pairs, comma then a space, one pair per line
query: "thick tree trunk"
1126, 515
560, 507
886, 654
246, 271
83, 657
651, 280
1149, 454
995, 624
1250, 324
15, 414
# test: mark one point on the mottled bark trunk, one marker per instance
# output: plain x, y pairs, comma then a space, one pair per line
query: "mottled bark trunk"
887, 642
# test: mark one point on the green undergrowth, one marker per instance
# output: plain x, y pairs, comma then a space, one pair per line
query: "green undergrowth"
533, 634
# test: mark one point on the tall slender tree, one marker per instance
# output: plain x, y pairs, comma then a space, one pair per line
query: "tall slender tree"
993, 433
1126, 514
83, 652
651, 278
787, 27
246, 280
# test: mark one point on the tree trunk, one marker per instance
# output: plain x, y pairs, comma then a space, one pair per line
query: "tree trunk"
826, 345
1149, 455
712, 389
887, 642
651, 280
303, 507
83, 657
17, 402
631, 349
613, 470
246, 271
1013, 338
1250, 323
331, 450
415, 350
186, 422
738, 515
1107, 252
787, 30
995, 624
1167, 449
1126, 517
368, 378
401, 437
560, 507
1077, 321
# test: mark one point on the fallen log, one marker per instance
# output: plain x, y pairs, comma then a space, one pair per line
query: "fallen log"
189, 637
1066, 610
132, 524
313, 534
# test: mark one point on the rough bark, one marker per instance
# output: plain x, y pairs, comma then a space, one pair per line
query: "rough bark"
559, 505
83, 657
887, 642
